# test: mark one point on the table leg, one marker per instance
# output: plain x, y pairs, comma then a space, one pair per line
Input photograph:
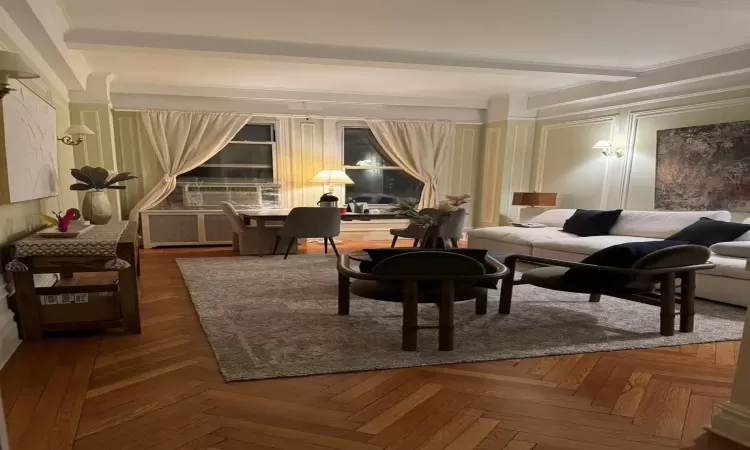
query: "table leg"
261, 234
445, 320
344, 295
28, 306
128, 282
481, 304
667, 304
411, 308
506, 288
687, 301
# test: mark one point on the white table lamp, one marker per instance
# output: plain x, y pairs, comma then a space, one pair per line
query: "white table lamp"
331, 177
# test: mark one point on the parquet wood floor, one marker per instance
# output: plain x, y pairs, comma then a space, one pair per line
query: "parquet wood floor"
162, 390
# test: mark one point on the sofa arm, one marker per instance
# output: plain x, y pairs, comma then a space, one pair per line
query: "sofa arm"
736, 249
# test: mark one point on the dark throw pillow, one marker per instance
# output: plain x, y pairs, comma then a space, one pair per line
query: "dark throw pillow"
591, 222
620, 255
707, 232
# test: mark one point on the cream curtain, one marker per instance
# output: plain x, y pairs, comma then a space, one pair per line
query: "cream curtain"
183, 141
419, 147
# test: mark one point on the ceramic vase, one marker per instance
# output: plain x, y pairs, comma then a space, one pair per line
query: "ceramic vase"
96, 208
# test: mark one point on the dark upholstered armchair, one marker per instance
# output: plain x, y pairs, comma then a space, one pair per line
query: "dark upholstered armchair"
637, 282
425, 276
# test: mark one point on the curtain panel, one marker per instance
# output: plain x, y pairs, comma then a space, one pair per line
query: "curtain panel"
420, 148
182, 141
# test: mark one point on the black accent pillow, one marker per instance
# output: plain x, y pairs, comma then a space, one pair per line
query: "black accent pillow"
378, 255
591, 222
707, 232
620, 255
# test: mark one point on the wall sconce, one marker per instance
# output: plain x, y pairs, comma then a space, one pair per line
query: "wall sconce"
12, 66
74, 134
608, 150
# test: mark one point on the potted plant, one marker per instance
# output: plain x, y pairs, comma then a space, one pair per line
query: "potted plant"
407, 208
94, 180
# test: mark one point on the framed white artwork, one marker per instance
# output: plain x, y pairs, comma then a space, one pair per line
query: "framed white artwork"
28, 147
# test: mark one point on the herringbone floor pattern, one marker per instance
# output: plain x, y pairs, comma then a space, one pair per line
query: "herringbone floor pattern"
162, 390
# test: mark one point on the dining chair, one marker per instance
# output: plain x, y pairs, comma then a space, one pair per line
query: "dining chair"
310, 222
413, 231
243, 241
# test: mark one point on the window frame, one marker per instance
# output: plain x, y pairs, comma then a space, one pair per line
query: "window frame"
357, 124
272, 166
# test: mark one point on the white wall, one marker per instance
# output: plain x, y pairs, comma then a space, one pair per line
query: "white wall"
564, 161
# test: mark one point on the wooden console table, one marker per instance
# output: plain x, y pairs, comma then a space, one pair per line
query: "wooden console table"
112, 299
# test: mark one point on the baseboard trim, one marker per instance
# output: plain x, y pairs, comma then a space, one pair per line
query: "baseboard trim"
732, 422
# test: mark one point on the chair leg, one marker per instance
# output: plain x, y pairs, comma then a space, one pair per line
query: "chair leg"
325, 244
416, 243
411, 308
276, 244
289, 247
454, 242
595, 298
333, 246
667, 304
481, 304
393, 242
506, 288
445, 320
344, 295
687, 302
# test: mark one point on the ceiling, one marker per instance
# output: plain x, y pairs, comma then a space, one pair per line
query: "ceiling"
449, 49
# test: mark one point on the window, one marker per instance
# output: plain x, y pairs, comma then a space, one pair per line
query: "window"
377, 180
248, 156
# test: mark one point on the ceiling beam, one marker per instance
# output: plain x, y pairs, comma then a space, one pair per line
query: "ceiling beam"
296, 97
713, 67
93, 39
42, 22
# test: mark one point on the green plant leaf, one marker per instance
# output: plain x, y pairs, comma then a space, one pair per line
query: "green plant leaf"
124, 176
82, 177
80, 187
98, 175
115, 187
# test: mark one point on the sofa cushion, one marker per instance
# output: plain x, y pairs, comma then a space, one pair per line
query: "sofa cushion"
727, 266
554, 217
591, 222
737, 249
661, 224
520, 236
589, 245
708, 232
746, 236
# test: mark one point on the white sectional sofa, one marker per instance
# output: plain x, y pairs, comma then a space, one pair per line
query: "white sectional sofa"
727, 283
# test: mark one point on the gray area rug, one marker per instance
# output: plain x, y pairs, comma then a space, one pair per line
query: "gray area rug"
266, 317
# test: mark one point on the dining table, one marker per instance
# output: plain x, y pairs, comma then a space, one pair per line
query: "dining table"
262, 216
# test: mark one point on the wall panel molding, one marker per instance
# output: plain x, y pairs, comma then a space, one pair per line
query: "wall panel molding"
491, 177
544, 135
517, 180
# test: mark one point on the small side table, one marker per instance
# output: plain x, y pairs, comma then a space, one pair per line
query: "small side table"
116, 306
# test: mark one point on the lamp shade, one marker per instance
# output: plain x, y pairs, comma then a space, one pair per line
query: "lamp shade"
79, 129
13, 66
331, 177
602, 144
534, 198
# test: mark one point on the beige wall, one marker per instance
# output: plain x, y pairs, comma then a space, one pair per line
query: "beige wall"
303, 148
564, 161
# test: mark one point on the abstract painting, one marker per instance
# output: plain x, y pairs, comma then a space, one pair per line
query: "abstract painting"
704, 168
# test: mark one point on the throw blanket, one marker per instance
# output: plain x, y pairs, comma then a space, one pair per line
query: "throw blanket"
101, 240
